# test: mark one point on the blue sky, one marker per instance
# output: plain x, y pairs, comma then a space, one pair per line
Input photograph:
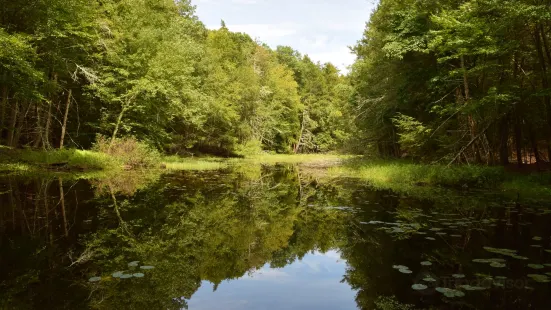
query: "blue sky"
311, 283
323, 29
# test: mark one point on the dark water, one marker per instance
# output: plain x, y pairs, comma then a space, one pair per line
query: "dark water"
264, 238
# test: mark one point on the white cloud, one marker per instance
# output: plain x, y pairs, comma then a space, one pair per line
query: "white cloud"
245, 1
266, 31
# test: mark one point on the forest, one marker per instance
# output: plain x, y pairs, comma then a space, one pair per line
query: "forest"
435, 81
73, 71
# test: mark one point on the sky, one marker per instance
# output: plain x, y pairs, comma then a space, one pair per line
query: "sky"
322, 29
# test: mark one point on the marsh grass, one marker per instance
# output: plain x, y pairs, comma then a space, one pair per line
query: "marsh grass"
70, 159
197, 164
381, 173
426, 180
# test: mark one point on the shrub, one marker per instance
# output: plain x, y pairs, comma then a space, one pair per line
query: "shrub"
131, 152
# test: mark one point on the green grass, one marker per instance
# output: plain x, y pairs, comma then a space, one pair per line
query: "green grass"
29, 161
198, 164
424, 181
382, 173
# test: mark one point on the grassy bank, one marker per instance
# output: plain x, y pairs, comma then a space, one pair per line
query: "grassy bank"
424, 180
31, 161
67, 160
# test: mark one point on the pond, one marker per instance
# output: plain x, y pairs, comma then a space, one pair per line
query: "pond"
265, 237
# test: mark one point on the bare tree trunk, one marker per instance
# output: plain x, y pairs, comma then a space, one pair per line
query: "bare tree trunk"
518, 138
503, 140
53, 99
470, 119
534, 145
4, 104
47, 127
38, 138
21, 123
11, 130
297, 146
117, 125
544, 84
545, 43
64, 125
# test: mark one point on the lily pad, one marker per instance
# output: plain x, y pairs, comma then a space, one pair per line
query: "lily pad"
519, 257
548, 251
539, 278
456, 236
133, 264
535, 266
430, 238
429, 279
146, 267
138, 275
536, 238
405, 271
117, 274
506, 252
458, 276
400, 267
497, 265
441, 233
535, 246
450, 293
472, 288
126, 276
419, 287
94, 279
426, 263
435, 229
499, 284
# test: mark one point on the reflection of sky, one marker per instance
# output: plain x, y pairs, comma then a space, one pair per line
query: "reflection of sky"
312, 283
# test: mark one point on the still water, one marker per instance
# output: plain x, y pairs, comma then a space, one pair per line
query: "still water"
265, 237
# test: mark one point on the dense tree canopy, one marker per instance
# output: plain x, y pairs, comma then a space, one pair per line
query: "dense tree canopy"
72, 70
461, 81
452, 81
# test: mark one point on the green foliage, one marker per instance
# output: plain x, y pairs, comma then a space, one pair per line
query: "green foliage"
471, 76
151, 70
129, 151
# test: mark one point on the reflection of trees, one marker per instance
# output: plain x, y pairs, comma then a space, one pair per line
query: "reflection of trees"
191, 226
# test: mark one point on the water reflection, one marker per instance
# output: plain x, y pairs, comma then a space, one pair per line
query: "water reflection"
311, 283
261, 237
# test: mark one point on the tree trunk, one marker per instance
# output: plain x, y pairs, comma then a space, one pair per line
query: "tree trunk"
20, 124
470, 119
3, 106
48, 116
534, 145
518, 138
47, 127
38, 138
11, 130
119, 120
503, 140
64, 125
545, 85
297, 146
545, 43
